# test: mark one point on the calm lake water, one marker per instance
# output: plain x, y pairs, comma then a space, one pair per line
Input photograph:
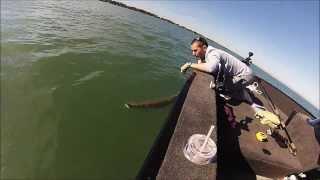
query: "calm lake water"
67, 68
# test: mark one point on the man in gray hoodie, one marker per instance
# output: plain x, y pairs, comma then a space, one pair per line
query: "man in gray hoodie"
237, 74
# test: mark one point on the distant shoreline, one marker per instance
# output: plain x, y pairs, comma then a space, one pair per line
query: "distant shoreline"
147, 13
120, 4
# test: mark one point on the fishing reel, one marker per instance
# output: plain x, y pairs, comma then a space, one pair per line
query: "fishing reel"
217, 85
222, 91
220, 79
220, 86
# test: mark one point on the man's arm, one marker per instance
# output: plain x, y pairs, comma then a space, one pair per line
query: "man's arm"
210, 66
205, 67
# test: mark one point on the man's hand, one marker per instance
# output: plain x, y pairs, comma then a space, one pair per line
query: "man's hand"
185, 66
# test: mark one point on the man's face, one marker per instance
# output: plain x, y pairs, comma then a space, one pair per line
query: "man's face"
198, 50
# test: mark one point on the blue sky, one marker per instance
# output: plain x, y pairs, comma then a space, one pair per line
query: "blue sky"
284, 35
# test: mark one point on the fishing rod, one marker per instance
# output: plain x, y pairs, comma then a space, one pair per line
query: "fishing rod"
291, 146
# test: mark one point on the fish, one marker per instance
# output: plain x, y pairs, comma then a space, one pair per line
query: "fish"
152, 103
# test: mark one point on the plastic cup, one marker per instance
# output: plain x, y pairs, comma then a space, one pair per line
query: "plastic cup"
192, 150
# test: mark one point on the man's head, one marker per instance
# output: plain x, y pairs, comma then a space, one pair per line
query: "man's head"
199, 46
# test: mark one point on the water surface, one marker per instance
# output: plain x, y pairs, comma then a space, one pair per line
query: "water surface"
67, 68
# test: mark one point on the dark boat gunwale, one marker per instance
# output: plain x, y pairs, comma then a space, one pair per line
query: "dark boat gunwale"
153, 160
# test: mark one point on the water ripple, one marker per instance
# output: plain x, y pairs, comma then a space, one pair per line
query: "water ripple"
87, 77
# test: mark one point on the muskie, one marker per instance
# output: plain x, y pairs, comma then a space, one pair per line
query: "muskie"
152, 103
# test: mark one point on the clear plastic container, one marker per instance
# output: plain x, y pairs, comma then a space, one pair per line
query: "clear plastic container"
192, 150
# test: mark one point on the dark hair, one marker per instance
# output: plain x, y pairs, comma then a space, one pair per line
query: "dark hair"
200, 39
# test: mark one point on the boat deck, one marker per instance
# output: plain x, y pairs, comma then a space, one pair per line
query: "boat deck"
197, 115
240, 155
